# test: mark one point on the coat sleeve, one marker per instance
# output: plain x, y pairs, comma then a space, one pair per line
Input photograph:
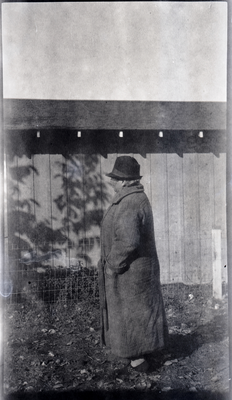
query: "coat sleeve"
126, 237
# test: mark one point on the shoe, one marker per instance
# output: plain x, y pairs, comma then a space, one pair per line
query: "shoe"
143, 367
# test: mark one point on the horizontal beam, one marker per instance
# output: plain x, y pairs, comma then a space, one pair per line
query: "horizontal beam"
64, 141
64, 114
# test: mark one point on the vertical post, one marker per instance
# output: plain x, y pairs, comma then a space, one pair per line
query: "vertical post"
229, 186
217, 263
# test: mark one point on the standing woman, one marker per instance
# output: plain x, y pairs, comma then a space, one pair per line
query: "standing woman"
133, 319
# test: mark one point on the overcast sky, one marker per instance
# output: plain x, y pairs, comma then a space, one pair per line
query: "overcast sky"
168, 51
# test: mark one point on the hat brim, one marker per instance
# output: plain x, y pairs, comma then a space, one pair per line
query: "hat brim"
123, 178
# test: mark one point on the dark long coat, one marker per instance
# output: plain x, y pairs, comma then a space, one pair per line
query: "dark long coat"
132, 311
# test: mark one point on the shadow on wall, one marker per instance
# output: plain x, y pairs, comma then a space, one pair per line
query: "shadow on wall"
83, 198
77, 209
140, 141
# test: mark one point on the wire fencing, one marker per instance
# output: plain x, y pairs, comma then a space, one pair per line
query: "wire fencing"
50, 276
54, 277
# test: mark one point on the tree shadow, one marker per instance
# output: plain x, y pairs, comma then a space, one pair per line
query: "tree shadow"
80, 202
80, 198
24, 230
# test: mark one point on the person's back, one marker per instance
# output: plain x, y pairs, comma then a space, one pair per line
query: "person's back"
133, 317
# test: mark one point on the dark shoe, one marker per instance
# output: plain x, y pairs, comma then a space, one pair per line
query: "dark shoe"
141, 367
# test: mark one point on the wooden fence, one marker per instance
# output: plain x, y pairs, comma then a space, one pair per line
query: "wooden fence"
55, 206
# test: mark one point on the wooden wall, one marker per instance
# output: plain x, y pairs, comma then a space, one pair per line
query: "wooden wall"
57, 203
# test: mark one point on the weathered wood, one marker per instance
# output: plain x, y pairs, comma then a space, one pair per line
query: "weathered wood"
206, 214
33, 114
220, 204
20, 217
217, 263
175, 217
12, 203
59, 228
75, 180
64, 198
106, 167
145, 171
42, 196
191, 218
24, 180
96, 198
56, 162
160, 212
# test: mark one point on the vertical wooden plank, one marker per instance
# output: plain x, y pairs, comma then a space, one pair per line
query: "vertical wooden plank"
175, 216
106, 167
26, 172
42, 192
4, 264
13, 222
217, 263
94, 199
96, 209
13, 204
58, 212
191, 218
206, 209
5, 211
160, 212
74, 176
145, 171
20, 218
220, 204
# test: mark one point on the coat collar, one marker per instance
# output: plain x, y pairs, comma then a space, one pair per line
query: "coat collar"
126, 191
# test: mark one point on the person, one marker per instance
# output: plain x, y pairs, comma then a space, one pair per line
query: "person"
133, 320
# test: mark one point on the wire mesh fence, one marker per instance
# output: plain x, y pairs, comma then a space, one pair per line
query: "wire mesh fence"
51, 284
51, 275
55, 276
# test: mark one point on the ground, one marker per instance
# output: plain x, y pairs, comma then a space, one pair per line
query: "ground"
54, 349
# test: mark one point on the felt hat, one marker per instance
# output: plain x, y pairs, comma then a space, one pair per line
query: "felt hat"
125, 168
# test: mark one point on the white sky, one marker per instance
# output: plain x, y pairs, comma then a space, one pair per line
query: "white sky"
161, 51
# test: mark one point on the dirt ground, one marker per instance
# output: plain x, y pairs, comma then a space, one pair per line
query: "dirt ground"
52, 351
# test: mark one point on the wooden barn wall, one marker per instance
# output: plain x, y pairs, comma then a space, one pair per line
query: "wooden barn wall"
56, 203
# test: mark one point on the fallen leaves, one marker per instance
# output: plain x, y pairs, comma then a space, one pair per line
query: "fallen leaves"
58, 386
51, 353
52, 331
166, 389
